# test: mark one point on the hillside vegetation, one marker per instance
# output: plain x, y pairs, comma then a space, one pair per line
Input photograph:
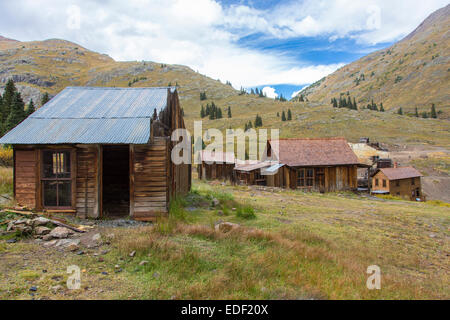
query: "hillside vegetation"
289, 245
51, 65
414, 72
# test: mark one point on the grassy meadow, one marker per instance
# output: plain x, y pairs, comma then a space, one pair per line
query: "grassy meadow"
290, 245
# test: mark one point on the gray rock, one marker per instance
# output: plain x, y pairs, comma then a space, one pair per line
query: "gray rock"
60, 232
42, 231
40, 221
65, 243
215, 202
49, 244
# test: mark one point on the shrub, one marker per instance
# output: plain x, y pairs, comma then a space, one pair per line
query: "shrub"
245, 212
6, 157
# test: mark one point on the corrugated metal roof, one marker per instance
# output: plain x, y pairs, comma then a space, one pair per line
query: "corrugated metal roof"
92, 115
273, 169
253, 166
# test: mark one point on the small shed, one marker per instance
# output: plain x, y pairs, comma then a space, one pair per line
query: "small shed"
100, 152
318, 164
215, 165
404, 182
250, 172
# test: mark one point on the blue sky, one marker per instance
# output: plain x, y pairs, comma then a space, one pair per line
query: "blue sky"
281, 46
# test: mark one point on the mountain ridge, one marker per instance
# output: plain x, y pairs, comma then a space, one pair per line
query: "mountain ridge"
414, 72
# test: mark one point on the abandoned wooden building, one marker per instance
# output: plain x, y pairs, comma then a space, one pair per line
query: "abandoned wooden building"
100, 152
215, 165
404, 182
251, 173
322, 164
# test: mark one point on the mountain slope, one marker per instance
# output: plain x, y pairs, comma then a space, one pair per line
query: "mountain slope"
51, 65
414, 72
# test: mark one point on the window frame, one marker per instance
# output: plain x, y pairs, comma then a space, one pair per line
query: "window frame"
72, 178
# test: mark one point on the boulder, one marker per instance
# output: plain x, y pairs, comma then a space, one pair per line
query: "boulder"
226, 227
60, 232
40, 231
40, 221
65, 243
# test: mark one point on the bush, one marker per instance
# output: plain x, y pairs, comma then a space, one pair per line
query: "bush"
6, 156
245, 212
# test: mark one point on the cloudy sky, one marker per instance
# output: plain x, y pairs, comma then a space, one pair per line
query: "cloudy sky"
277, 45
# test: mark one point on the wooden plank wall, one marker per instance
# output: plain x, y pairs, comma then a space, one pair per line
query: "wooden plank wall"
87, 200
26, 177
149, 180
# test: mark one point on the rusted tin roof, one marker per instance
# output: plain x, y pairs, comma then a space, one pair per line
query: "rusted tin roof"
315, 152
92, 115
401, 173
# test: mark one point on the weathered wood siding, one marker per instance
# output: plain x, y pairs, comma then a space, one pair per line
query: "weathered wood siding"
26, 177
149, 180
87, 196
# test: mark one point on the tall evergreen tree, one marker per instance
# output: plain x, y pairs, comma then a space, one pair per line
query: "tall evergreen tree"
31, 109
416, 113
45, 99
219, 113
355, 106
400, 111
433, 111
283, 116
17, 114
202, 112
289, 116
229, 112
381, 107
7, 99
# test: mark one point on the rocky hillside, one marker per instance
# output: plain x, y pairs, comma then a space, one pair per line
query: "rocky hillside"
51, 65
414, 72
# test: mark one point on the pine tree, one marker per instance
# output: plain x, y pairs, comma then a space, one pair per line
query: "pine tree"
355, 106
283, 116
7, 99
381, 107
219, 113
258, 121
289, 116
229, 112
424, 115
17, 114
31, 109
335, 103
202, 112
301, 98
278, 114
349, 103
400, 111
45, 99
433, 111
416, 114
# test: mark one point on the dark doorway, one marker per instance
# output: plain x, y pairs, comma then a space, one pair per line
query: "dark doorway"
116, 181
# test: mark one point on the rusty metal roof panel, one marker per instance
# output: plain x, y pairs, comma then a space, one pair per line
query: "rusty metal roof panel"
92, 115
401, 173
315, 152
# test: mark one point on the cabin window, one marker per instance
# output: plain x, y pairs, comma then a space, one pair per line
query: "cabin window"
384, 183
397, 183
413, 181
56, 178
301, 178
376, 182
309, 177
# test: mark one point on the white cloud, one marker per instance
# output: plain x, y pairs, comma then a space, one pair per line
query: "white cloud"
295, 93
270, 92
203, 34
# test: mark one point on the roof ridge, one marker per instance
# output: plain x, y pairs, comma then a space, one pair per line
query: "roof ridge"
306, 139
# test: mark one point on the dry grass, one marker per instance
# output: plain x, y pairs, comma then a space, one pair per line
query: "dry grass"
6, 180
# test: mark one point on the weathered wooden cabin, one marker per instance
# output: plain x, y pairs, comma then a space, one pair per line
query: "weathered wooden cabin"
215, 165
404, 182
324, 165
250, 173
100, 152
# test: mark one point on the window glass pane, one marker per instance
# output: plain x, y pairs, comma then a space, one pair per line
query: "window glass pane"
64, 164
48, 168
50, 193
64, 194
